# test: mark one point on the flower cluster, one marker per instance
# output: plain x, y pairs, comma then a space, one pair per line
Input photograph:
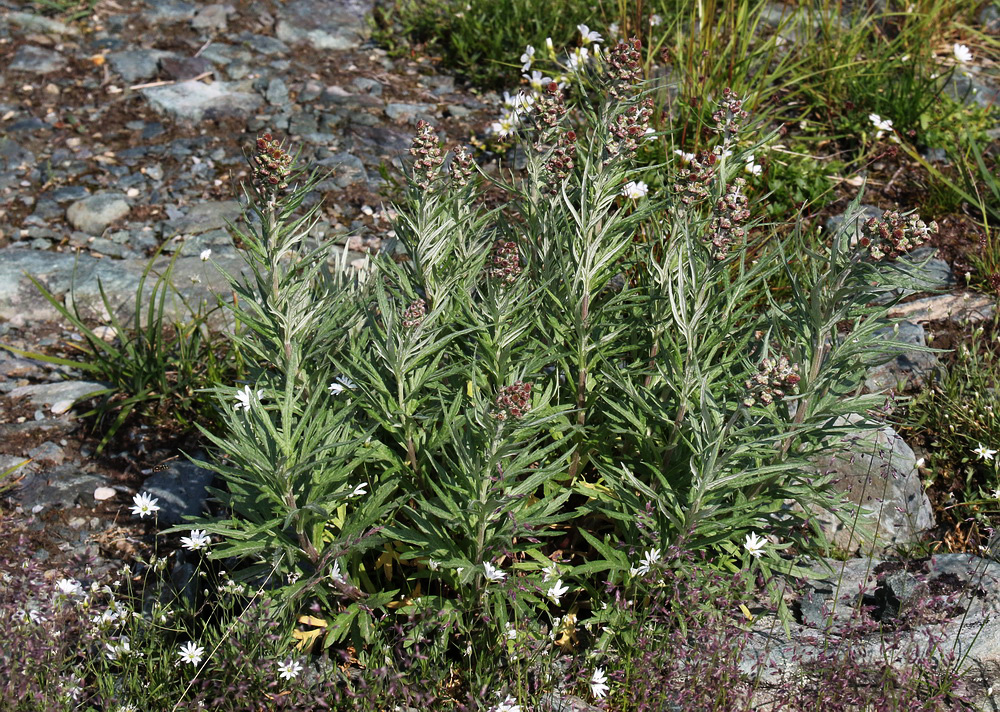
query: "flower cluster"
415, 313
629, 126
513, 401
462, 166
624, 68
694, 177
271, 164
515, 108
894, 234
560, 162
729, 116
773, 378
504, 264
427, 151
727, 222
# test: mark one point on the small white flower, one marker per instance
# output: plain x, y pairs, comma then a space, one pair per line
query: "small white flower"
244, 398
191, 652
433, 565
527, 58
613, 29
336, 574
754, 544
199, 539
492, 572
685, 156
996, 493
289, 669
127, 707
538, 81
578, 58
588, 36
634, 190
881, 124
549, 47
359, 490
655, 20
144, 504
69, 587
984, 452
508, 705
599, 684
648, 561
341, 384
511, 631
752, 167
205, 254
557, 591
35, 617
962, 53
550, 572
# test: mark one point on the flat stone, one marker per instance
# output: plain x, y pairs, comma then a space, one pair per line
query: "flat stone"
276, 93
36, 60
45, 394
38, 23
64, 486
347, 169
93, 214
325, 24
212, 17
182, 489
169, 11
965, 306
47, 454
263, 44
194, 101
203, 217
909, 367
410, 113
134, 65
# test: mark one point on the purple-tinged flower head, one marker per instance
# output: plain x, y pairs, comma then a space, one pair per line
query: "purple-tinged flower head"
513, 401
415, 313
773, 379
730, 115
727, 224
504, 265
561, 162
624, 67
893, 234
462, 166
271, 164
694, 177
427, 152
549, 111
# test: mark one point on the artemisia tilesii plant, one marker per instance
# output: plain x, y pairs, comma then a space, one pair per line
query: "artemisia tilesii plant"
591, 360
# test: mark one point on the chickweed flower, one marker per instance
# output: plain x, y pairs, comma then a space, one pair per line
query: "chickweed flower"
883, 125
588, 36
493, 573
685, 156
599, 684
289, 669
69, 587
359, 490
634, 190
996, 493
198, 540
752, 167
508, 705
144, 504
191, 652
754, 544
655, 20
527, 58
557, 591
205, 255
984, 452
648, 561
962, 53
341, 384
245, 397
336, 574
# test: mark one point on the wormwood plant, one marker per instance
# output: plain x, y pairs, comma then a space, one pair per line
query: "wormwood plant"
525, 397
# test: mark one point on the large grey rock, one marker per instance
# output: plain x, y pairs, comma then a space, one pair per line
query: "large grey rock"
166, 11
213, 17
347, 169
50, 394
837, 222
910, 367
962, 307
410, 113
137, 64
325, 24
182, 489
65, 486
203, 217
36, 60
75, 279
877, 473
194, 100
93, 214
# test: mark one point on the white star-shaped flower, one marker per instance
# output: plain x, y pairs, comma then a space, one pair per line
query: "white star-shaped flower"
599, 684
144, 504
634, 190
336, 574
244, 398
527, 58
191, 652
752, 167
340, 384
984, 452
205, 255
557, 591
588, 36
962, 53
648, 561
69, 587
754, 544
492, 572
882, 125
199, 539
359, 490
289, 669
